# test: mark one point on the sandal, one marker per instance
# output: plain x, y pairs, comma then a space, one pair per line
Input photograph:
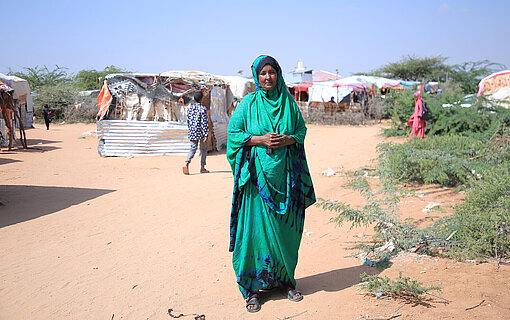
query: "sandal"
291, 295
253, 300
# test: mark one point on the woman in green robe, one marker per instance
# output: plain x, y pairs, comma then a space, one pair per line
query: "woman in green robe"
272, 185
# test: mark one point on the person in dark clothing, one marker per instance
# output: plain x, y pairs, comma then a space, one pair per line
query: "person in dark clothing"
47, 116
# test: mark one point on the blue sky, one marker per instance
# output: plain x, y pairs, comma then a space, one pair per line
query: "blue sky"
222, 37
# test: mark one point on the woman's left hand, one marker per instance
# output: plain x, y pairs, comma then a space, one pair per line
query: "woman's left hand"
281, 140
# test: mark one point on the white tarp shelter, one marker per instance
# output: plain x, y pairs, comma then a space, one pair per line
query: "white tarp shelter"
22, 96
323, 91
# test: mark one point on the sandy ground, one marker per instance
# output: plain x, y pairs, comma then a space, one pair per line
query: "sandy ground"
85, 237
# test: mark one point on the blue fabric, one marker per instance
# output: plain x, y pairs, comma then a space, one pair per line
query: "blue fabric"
198, 124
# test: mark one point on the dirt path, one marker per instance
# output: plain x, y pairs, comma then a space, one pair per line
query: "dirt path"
85, 237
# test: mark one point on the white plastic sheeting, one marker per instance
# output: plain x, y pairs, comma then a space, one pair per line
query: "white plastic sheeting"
23, 97
219, 104
323, 91
501, 97
379, 82
19, 85
238, 85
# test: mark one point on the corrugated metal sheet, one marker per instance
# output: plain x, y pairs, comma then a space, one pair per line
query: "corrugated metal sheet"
220, 133
149, 138
142, 138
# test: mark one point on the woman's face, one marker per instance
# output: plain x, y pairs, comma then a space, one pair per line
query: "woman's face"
268, 77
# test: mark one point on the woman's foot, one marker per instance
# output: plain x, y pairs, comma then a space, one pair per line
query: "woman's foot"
204, 170
253, 303
294, 295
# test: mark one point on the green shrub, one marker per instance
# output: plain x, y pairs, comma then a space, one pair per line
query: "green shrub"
381, 212
59, 98
86, 113
399, 106
483, 117
402, 287
482, 222
62, 99
446, 160
479, 228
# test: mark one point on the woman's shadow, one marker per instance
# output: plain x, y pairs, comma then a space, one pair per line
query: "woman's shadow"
330, 281
335, 280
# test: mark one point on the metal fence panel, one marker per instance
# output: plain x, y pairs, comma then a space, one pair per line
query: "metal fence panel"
142, 138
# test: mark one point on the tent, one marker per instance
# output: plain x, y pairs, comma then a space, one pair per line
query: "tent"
22, 97
352, 82
303, 86
379, 82
323, 91
496, 87
321, 75
493, 82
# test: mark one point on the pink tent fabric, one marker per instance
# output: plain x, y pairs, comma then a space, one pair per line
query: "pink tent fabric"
303, 86
494, 82
352, 82
321, 75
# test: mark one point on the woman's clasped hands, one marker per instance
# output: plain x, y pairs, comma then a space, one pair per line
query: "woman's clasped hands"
277, 140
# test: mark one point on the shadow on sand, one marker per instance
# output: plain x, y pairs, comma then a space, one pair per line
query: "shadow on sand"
330, 281
20, 203
6, 161
40, 145
335, 280
33, 145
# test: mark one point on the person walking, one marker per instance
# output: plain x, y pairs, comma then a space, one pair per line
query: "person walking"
272, 186
47, 116
198, 132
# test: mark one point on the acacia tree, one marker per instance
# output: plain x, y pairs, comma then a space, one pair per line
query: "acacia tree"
416, 69
92, 79
39, 77
469, 74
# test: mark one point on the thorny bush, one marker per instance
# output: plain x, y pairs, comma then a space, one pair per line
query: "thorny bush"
402, 287
446, 160
484, 117
482, 222
480, 227
381, 212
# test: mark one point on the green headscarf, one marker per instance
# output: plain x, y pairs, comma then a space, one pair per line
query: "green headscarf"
258, 113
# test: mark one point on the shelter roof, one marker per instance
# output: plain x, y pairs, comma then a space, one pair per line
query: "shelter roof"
303, 86
493, 82
20, 86
194, 76
321, 75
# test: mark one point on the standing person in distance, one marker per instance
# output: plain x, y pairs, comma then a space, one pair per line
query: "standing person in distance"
47, 116
417, 121
198, 132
